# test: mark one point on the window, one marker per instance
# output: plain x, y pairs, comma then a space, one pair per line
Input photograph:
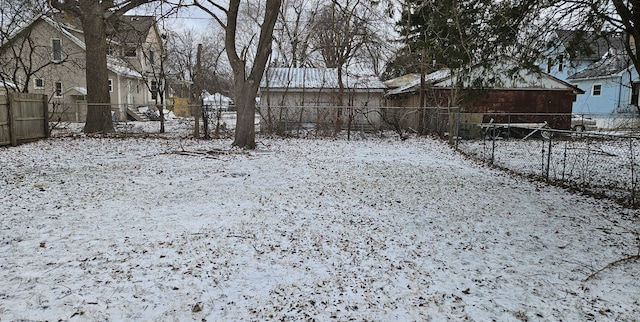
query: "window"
596, 90
151, 57
560, 63
110, 85
58, 92
38, 83
130, 52
56, 47
635, 93
549, 65
154, 89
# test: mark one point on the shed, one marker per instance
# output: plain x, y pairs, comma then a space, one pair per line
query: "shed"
314, 96
504, 94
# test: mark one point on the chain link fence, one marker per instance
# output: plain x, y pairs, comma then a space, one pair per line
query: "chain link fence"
323, 121
600, 164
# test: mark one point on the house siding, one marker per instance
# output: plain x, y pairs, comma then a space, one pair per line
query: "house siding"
71, 72
311, 95
519, 106
615, 95
318, 107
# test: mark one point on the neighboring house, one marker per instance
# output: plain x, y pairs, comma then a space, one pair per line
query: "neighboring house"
313, 96
611, 86
602, 69
47, 56
572, 51
523, 97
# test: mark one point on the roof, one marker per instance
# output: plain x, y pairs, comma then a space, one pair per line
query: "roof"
610, 65
589, 45
127, 29
319, 78
77, 90
411, 82
132, 29
500, 77
7, 85
215, 99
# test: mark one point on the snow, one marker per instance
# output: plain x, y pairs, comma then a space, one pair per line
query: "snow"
171, 228
216, 99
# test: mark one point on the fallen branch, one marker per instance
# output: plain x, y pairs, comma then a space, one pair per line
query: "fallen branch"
209, 153
611, 264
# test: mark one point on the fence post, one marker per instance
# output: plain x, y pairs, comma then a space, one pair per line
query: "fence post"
633, 179
549, 155
454, 118
493, 144
45, 111
12, 122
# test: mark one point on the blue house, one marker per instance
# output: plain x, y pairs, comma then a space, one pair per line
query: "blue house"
601, 68
572, 51
611, 87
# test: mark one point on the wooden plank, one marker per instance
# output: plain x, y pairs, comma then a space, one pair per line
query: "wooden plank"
135, 115
5, 135
12, 127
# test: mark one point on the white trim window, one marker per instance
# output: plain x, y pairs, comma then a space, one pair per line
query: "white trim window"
58, 89
38, 83
110, 85
596, 90
56, 49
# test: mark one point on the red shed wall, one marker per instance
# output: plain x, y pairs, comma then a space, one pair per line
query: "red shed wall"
514, 105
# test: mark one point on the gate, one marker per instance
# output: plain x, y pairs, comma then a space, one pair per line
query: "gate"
23, 118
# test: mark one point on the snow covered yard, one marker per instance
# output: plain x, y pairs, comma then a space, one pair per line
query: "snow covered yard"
379, 229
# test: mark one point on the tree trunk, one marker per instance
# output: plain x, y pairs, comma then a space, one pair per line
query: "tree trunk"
246, 87
98, 99
340, 101
245, 136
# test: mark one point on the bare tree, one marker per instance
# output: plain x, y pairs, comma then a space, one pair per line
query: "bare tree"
293, 33
98, 19
246, 78
342, 30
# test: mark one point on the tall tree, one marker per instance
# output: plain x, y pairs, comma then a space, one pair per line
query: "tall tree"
98, 19
294, 31
246, 78
446, 33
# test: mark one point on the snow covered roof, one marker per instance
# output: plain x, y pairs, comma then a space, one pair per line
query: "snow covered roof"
79, 90
4, 84
318, 78
215, 99
498, 77
411, 82
611, 64
120, 67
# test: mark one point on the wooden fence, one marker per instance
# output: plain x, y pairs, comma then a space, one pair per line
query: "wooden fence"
23, 118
